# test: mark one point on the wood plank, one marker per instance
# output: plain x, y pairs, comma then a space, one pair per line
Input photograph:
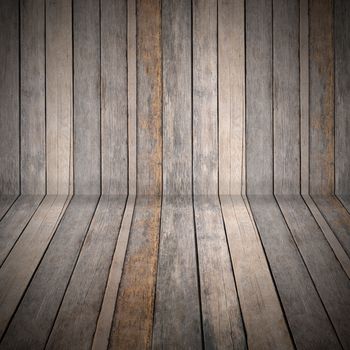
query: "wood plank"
14, 222
133, 318
231, 91
46, 290
76, 320
345, 199
331, 281
9, 97
114, 113
177, 105
18, 268
177, 322
222, 322
342, 95
205, 142
286, 108
307, 319
259, 97
149, 98
32, 34
86, 96
263, 317
59, 97
105, 319
6, 201
321, 97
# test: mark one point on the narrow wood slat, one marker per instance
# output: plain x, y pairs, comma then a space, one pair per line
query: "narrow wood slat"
16, 272
307, 319
133, 318
46, 290
345, 199
177, 307
261, 310
6, 202
32, 34
222, 322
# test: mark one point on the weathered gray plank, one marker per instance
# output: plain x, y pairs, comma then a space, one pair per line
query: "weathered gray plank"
33, 165
331, 281
86, 96
261, 309
114, 113
321, 97
9, 97
222, 322
59, 97
149, 98
177, 321
307, 319
177, 109
205, 142
6, 202
45, 292
133, 317
345, 199
286, 107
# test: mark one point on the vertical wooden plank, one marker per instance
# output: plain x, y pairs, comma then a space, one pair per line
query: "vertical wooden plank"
114, 116
86, 96
177, 121
149, 98
9, 97
231, 90
205, 143
321, 97
59, 96
33, 96
286, 108
259, 97
342, 96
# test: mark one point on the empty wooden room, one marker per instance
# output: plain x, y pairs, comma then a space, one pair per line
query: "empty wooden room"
174, 174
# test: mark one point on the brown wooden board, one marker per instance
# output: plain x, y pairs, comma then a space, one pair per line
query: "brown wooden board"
6, 201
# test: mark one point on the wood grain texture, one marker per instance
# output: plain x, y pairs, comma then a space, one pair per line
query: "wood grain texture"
149, 98
307, 319
177, 322
59, 97
205, 123
321, 97
261, 310
222, 322
286, 108
114, 112
133, 318
9, 97
86, 96
46, 290
345, 201
6, 202
259, 126
32, 33
331, 281
177, 105
342, 95
231, 94
18, 268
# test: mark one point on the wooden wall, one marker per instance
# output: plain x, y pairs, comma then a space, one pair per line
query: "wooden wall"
174, 97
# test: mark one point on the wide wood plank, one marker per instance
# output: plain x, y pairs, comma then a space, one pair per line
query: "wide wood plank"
6, 201
177, 307
32, 34
222, 321
263, 317
133, 318
9, 97
45, 292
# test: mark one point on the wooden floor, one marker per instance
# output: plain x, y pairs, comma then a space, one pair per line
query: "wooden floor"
264, 272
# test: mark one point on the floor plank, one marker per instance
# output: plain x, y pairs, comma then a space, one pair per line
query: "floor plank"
133, 318
222, 322
45, 292
345, 199
331, 281
307, 319
177, 306
261, 309
5, 203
